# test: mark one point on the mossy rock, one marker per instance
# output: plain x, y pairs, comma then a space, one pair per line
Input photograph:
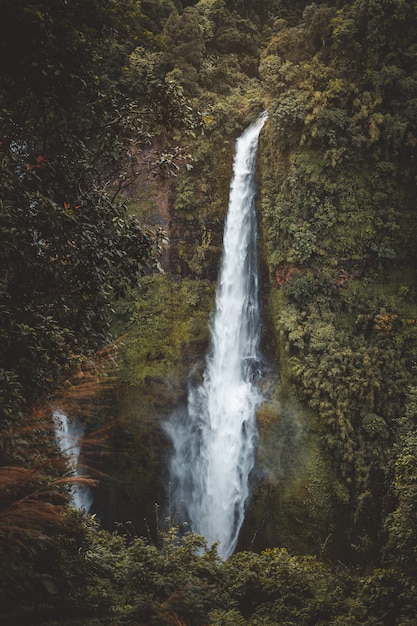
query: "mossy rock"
296, 494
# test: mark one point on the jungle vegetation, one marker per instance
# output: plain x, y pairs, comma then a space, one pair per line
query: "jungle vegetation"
117, 122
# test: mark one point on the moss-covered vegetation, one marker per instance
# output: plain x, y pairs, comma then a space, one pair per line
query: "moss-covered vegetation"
332, 521
338, 220
167, 329
135, 582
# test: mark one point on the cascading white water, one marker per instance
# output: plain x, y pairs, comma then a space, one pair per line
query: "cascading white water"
214, 439
68, 434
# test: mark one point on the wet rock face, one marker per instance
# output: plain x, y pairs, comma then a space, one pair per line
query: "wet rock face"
190, 209
164, 350
133, 466
294, 495
195, 246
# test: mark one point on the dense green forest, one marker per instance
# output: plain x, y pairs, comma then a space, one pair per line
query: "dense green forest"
118, 120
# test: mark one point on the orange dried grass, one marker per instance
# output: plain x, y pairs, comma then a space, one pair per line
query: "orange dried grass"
32, 497
27, 517
96, 376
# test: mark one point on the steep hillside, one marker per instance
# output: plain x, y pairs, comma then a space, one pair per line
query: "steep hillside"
339, 223
119, 121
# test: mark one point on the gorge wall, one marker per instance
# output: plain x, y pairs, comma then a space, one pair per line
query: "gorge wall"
293, 491
137, 105
338, 284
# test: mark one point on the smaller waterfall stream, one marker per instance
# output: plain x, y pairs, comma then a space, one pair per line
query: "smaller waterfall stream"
214, 439
68, 433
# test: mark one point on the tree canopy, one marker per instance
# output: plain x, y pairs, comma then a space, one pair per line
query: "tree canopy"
103, 96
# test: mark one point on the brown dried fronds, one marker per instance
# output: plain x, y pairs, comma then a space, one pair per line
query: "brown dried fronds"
41, 506
11, 477
37, 485
30, 445
96, 375
27, 519
90, 442
34, 479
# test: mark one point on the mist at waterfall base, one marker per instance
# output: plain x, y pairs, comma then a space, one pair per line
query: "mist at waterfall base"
215, 436
68, 434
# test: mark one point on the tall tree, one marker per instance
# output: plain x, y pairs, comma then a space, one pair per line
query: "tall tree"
67, 245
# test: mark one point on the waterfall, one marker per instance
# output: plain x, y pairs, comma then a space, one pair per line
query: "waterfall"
68, 433
215, 438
